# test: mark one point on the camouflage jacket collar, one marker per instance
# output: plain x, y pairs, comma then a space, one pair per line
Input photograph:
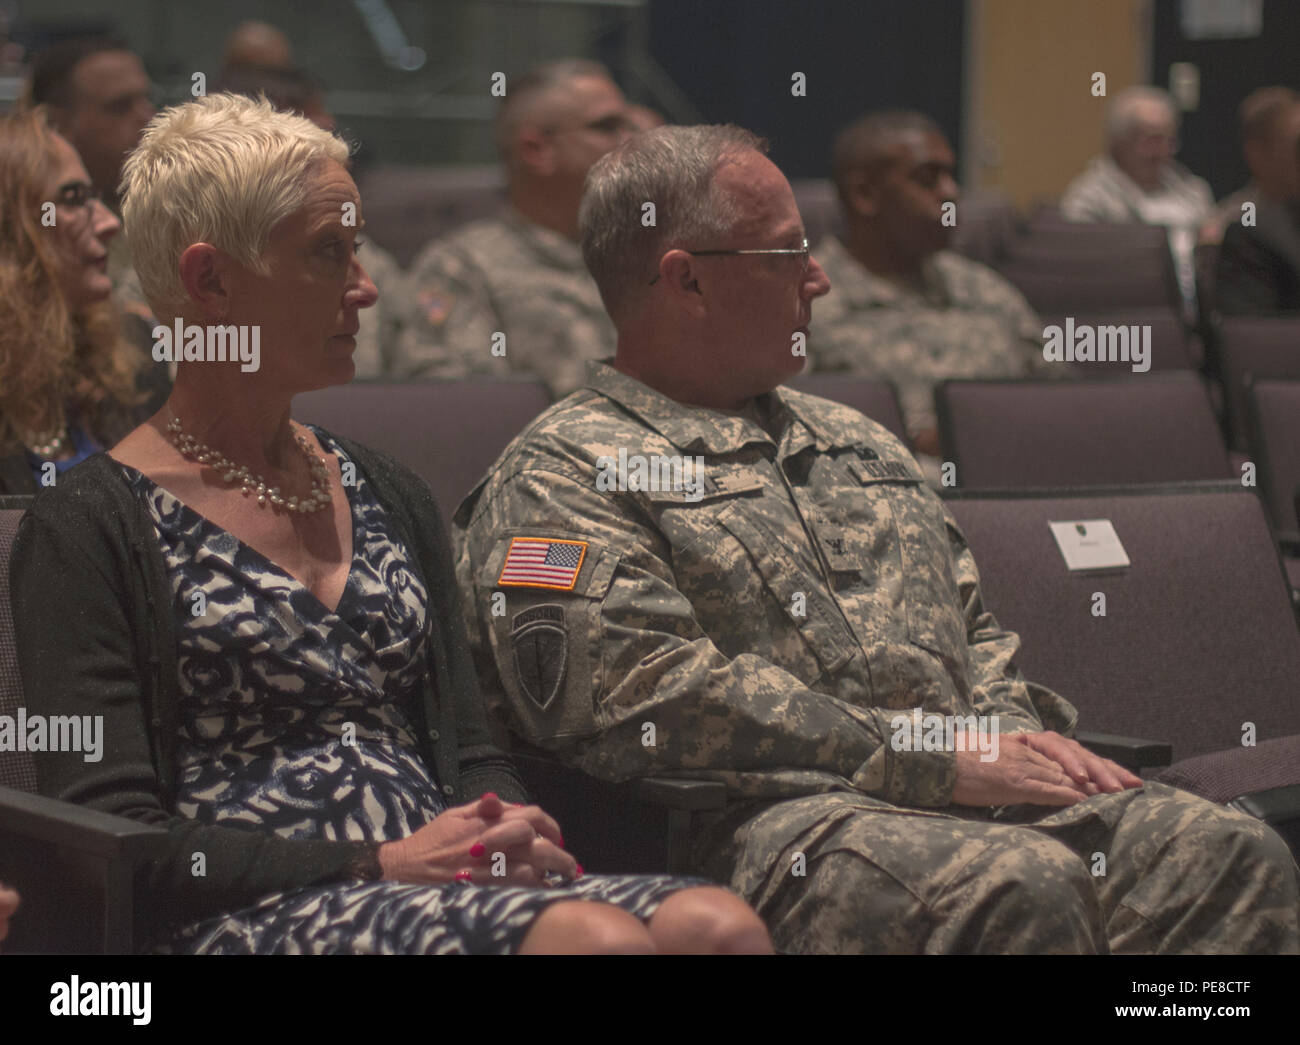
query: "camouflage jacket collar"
859, 288
549, 246
699, 429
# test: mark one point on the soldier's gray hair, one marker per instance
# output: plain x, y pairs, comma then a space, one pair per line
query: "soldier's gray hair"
674, 168
526, 97
1123, 116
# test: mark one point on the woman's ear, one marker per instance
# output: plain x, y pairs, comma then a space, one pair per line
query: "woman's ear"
203, 270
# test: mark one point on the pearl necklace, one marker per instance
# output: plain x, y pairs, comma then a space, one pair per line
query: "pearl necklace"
45, 445
319, 497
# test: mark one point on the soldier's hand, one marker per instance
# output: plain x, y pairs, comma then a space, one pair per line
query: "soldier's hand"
1081, 764
1019, 774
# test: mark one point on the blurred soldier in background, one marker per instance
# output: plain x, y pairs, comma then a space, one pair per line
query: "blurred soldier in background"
901, 306
511, 294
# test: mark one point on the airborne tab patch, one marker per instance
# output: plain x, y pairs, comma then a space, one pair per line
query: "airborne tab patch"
542, 562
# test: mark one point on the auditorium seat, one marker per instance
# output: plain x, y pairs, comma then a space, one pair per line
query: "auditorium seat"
872, 396
1063, 267
1254, 346
74, 867
407, 207
447, 432
1065, 287
1198, 636
1171, 348
1274, 427
1138, 429
986, 222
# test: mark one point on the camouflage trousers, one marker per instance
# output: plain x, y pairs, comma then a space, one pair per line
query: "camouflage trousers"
1150, 870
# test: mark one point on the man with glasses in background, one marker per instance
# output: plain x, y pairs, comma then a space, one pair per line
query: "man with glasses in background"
687, 570
510, 294
98, 96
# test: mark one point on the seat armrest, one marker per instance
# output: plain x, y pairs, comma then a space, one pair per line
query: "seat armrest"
1130, 752
77, 828
690, 795
1274, 805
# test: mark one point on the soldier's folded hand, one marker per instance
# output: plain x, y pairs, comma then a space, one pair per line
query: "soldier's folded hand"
1020, 774
1081, 764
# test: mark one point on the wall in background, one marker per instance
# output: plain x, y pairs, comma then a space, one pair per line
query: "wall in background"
735, 58
1034, 120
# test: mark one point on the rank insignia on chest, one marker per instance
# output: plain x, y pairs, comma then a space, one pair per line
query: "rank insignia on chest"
542, 562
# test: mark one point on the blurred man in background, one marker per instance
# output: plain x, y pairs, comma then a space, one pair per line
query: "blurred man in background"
1270, 120
258, 43
511, 293
1258, 269
98, 96
901, 306
1138, 179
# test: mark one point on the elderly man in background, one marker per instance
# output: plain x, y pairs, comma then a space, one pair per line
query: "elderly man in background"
687, 570
1138, 179
98, 96
901, 306
510, 293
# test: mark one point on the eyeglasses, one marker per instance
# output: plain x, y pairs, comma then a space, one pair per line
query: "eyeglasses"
802, 250
76, 194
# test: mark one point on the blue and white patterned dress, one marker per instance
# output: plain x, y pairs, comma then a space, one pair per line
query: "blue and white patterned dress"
293, 719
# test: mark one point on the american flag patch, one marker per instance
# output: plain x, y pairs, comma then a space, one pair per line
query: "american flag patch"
539, 562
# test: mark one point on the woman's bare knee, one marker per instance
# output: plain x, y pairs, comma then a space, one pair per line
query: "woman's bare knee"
708, 920
587, 927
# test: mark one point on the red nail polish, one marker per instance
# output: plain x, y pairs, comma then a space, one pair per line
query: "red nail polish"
577, 871
561, 841
477, 850
490, 794
464, 876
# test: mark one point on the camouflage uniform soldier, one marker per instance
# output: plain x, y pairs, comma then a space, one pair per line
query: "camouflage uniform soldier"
521, 274
706, 578
901, 307
963, 320
504, 275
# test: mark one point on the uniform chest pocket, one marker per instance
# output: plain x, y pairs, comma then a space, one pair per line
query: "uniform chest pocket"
933, 607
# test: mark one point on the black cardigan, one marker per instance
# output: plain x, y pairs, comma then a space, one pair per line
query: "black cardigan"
94, 616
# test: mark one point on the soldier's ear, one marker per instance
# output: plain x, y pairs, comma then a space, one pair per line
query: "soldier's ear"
677, 271
535, 151
862, 192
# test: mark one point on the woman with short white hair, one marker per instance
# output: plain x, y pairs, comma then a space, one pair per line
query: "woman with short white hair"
264, 614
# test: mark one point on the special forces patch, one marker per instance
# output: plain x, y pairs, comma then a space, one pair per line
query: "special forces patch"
541, 652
